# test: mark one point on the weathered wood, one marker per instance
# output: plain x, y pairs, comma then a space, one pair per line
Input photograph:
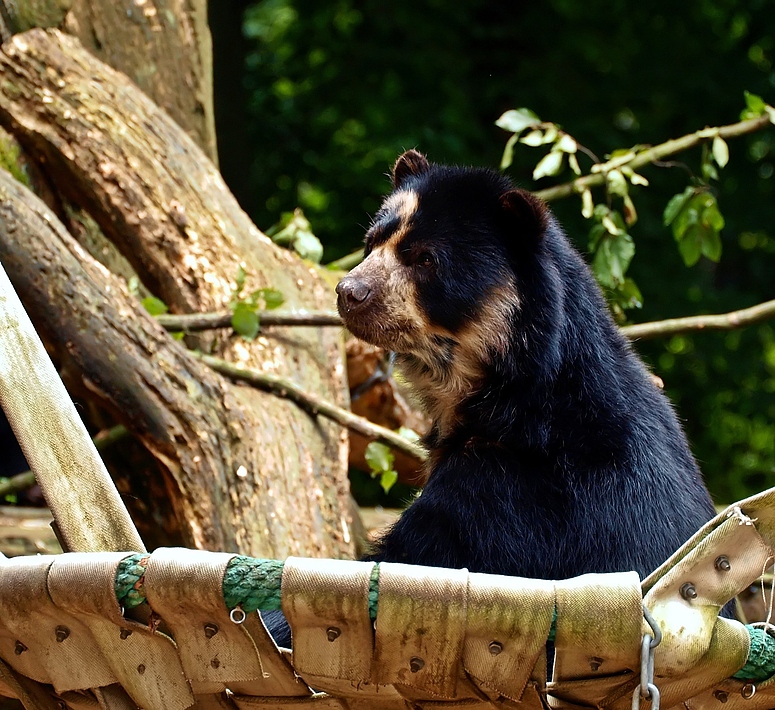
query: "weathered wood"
164, 47
247, 471
55, 441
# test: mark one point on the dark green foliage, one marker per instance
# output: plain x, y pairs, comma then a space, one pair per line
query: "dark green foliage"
338, 89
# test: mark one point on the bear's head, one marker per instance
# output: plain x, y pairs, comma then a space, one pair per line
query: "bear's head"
440, 281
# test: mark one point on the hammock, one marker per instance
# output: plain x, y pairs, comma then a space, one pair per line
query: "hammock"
177, 628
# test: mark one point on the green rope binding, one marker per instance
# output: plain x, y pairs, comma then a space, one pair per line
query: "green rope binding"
130, 578
254, 584
761, 656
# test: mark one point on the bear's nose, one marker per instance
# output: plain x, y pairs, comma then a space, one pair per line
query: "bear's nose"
352, 293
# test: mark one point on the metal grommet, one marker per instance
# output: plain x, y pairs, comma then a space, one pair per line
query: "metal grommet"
238, 615
748, 691
416, 664
689, 591
19, 648
333, 633
210, 629
495, 648
595, 663
61, 633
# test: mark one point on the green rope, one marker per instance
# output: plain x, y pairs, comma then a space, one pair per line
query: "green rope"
761, 656
130, 578
254, 584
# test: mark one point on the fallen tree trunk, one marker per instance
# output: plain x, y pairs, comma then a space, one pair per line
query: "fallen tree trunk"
245, 471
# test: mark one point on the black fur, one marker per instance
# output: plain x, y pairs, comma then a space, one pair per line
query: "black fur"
566, 458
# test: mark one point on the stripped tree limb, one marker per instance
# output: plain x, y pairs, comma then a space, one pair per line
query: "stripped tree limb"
639, 331
194, 322
638, 159
313, 404
723, 321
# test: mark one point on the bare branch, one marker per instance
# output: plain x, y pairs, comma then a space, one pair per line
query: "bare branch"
725, 321
313, 404
636, 160
194, 322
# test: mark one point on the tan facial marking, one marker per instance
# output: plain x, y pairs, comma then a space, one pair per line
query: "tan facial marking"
443, 389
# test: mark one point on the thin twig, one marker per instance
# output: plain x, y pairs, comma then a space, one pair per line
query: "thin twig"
724, 321
23, 481
313, 404
636, 160
194, 322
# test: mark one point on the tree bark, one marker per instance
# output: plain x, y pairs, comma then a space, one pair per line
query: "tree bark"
162, 45
246, 471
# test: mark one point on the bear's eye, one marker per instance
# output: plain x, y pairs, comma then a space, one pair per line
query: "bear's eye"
425, 260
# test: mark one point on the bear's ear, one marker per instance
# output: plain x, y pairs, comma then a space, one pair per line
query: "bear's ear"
410, 163
525, 214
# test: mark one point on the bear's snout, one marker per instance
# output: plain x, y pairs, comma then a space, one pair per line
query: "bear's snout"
352, 294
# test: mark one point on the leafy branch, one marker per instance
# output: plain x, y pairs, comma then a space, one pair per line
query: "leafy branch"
638, 157
693, 215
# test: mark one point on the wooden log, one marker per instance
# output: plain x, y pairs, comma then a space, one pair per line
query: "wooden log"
246, 471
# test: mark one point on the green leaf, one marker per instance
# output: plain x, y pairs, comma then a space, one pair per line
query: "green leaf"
508, 152
517, 120
612, 259
240, 279
709, 171
720, 151
387, 479
271, 297
629, 295
244, 320
154, 306
379, 457
534, 138
308, 246
686, 218
587, 203
711, 244
550, 164
676, 204
690, 244
755, 104
712, 217
597, 232
178, 335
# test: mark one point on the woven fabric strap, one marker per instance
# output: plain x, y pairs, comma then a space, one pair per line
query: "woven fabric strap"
254, 585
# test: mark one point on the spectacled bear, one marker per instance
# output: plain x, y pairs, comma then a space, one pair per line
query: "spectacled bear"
552, 453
